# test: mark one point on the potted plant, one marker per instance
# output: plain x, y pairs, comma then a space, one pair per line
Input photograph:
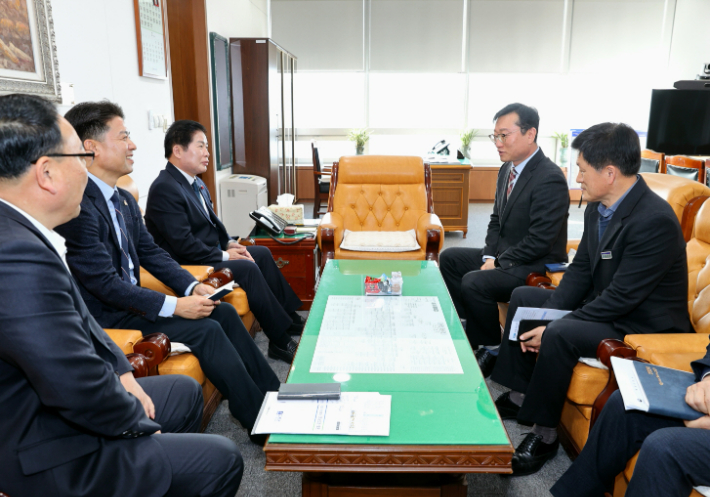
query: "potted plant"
563, 154
360, 137
467, 136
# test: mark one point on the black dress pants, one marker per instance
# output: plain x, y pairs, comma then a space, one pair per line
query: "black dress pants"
270, 297
673, 458
204, 465
228, 356
476, 293
545, 377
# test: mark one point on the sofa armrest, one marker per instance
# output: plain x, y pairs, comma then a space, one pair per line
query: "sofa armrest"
430, 235
540, 281
154, 347
125, 339
667, 343
607, 349
152, 283
139, 364
330, 235
573, 244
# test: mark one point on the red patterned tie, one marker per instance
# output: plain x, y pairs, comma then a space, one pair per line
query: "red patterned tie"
511, 181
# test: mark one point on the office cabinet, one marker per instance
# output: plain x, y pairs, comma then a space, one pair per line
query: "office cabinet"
450, 189
262, 106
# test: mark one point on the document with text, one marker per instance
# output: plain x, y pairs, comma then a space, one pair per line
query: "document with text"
355, 413
533, 314
404, 335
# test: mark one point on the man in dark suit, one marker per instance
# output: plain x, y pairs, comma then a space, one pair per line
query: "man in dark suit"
527, 229
108, 243
672, 461
630, 275
180, 217
74, 419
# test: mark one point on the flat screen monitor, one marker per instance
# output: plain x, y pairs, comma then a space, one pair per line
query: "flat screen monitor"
679, 122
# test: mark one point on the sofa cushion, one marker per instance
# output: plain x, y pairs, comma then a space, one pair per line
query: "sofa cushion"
380, 241
186, 364
587, 383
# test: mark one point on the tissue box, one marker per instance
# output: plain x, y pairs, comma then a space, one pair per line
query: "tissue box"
291, 213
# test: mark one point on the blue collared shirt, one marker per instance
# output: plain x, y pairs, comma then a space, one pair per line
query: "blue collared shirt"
606, 213
170, 303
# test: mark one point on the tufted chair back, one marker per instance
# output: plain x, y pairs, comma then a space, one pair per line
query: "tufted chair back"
381, 193
698, 250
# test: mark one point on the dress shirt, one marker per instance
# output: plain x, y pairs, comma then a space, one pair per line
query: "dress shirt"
606, 213
191, 179
518, 171
170, 303
54, 238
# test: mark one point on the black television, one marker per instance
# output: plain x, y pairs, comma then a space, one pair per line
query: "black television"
679, 122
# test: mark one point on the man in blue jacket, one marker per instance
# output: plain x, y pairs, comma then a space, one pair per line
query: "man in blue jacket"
108, 243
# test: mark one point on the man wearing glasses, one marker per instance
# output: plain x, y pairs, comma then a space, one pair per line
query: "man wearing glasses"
108, 243
527, 229
75, 421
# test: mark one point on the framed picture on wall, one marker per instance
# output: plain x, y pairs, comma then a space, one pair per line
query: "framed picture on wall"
28, 60
150, 34
221, 101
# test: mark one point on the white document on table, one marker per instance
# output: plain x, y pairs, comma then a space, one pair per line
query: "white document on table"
355, 413
403, 335
525, 313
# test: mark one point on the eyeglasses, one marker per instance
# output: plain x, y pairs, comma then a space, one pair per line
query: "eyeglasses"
501, 137
80, 155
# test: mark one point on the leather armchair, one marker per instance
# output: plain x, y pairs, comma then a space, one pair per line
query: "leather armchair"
380, 193
144, 353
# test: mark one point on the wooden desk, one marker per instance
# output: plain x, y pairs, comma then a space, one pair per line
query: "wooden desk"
442, 425
450, 189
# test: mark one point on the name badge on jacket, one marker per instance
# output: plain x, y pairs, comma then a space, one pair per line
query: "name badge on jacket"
606, 255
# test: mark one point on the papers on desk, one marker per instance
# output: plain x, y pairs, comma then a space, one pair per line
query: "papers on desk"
533, 314
404, 335
440, 159
355, 413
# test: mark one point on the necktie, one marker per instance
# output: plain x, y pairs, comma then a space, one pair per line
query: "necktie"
196, 189
125, 268
511, 181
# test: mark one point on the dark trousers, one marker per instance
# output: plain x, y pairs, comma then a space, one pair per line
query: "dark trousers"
673, 459
270, 297
228, 356
544, 378
476, 293
204, 465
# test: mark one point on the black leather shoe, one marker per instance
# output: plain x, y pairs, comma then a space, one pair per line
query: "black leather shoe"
286, 354
297, 325
532, 454
506, 407
486, 361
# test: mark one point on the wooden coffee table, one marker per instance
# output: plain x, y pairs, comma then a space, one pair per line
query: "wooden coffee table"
442, 425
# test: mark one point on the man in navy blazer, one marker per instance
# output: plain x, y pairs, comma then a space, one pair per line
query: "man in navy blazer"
74, 419
630, 275
180, 217
673, 458
108, 243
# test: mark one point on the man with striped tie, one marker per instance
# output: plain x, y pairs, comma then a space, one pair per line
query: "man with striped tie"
108, 243
527, 229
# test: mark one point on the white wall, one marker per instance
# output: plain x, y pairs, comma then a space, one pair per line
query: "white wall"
97, 53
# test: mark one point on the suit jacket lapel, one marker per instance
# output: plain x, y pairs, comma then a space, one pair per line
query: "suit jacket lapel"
94, 193
519, 184
187, 188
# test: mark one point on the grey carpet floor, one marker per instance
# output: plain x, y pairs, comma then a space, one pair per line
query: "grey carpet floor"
257, 482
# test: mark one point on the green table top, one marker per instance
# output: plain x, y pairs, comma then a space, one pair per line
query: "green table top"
428, 409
